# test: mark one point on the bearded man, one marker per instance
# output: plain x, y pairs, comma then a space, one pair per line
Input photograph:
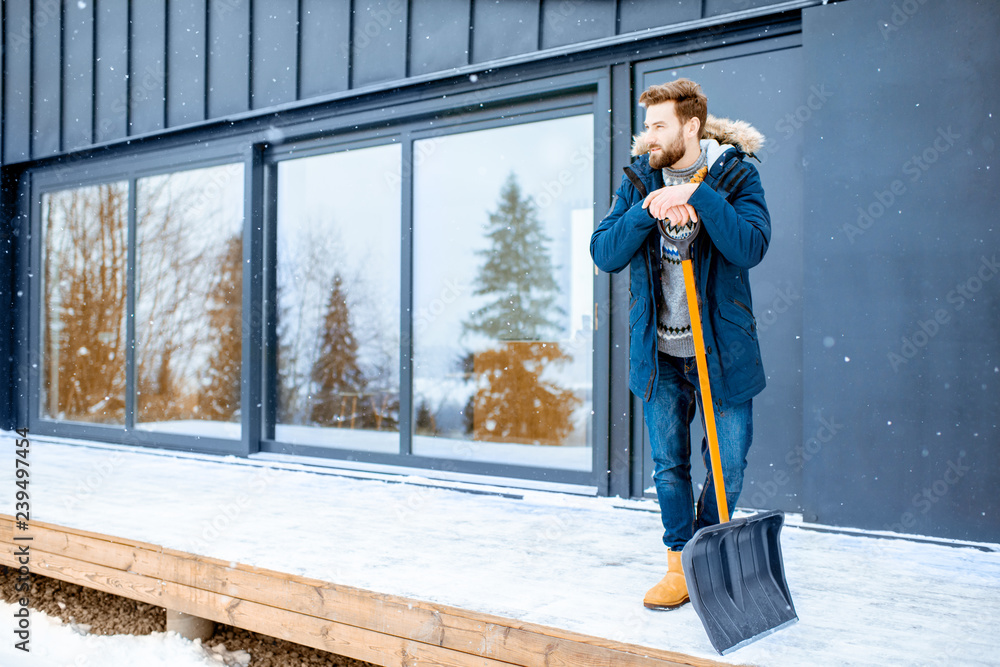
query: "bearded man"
690, 167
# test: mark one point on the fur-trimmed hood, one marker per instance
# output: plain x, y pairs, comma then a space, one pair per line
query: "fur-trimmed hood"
723, 131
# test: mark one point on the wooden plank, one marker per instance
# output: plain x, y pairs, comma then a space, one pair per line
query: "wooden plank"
339, 638
449, 627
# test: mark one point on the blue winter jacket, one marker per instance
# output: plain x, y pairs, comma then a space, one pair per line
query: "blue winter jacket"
738, 232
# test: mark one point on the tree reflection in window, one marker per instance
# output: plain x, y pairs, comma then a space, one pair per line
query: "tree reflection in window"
189, 301
512, 402
338, 266
503, 294
85, 264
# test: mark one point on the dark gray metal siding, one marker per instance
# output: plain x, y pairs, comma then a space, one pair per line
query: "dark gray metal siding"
325, 47
78, 74
156, 64
378, 42
111, 71
46, 69
570, 22
901, 252
503, 29
228, 57
186, 61
439, 35
147, 67
636, 15
275, 52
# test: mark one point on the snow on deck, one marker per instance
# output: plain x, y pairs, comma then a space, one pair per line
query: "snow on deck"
573, 562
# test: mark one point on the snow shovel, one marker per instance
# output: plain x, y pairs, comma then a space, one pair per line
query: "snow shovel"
734, 571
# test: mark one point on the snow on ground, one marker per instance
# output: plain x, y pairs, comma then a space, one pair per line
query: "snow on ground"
578, 563
56, 644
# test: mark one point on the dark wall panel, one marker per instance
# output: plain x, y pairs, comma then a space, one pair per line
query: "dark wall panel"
46, 89
636, 15
111, 70
147, 67
228, 57
439, 35
186, 61
17, 82
902, 301
378, 47
1, 94
569, 22
503, 29
78, 74
275, 53
763, 89
324, 47
716, 7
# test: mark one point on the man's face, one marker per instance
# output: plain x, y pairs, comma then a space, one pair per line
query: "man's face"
665, 135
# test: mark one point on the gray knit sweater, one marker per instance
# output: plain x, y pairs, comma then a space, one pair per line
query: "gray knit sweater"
673, 330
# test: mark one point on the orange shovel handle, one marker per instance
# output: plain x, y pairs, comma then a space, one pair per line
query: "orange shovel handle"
707, 406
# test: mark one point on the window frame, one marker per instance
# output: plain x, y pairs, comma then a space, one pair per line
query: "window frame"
260, 147
524, 104
86, 173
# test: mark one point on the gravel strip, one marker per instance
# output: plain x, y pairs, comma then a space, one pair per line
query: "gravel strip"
108, 614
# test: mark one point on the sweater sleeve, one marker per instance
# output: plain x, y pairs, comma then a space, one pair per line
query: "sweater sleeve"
622, 231
741, 230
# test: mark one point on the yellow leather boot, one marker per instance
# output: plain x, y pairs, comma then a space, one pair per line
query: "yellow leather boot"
672, 590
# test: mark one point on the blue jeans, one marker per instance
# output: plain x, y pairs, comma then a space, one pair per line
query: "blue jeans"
668, 418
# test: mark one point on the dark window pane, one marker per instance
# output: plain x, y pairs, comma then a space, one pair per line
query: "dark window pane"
83, 370
338, 274
189, 264
503, 294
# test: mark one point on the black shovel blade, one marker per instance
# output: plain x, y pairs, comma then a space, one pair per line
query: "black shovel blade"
736, 580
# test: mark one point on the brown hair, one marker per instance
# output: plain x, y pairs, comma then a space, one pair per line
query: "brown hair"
689, 101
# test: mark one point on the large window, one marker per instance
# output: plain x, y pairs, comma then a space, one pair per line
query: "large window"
423, 297
503, 294
85, 236
189, 290
338, 267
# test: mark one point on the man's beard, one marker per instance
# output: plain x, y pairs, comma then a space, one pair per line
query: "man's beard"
668, 155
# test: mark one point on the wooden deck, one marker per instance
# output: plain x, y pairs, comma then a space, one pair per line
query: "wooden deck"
367, 625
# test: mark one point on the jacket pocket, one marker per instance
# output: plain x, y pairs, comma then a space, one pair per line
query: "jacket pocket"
737, 313
635, 312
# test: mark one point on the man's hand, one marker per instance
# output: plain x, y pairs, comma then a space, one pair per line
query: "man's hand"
678, 216
660, 202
